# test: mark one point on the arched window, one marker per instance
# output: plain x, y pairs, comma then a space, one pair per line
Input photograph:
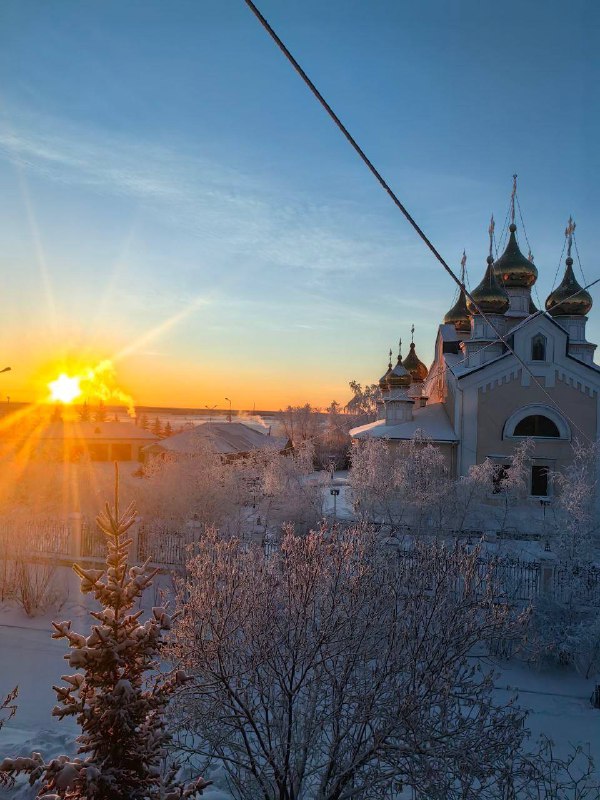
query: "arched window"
536, 425
538, 420
538, 348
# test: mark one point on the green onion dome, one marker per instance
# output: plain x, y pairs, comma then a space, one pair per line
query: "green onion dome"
489, 295
417, 368
512, 269
569, 299
459, 315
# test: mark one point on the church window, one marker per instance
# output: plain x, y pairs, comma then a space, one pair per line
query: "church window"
537, 425
539, 481
538, 348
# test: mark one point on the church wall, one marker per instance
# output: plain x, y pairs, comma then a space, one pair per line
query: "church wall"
497, 404
450, 402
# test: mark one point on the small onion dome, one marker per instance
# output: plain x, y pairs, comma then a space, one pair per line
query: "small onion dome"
383, 385
490, 297
569, 299
512, 268
400, 377
458, 315
418, 370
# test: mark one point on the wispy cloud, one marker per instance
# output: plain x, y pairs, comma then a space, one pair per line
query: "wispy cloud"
233, 212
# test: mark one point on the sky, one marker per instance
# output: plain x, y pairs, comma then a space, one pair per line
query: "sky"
174, 200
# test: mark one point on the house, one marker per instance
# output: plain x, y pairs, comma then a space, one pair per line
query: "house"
229, 439
98, 441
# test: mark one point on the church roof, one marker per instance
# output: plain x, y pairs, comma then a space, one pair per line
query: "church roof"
432, 420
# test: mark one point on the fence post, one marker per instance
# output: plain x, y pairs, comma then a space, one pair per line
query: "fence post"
75, 534
546, 574
134, 547
193, 529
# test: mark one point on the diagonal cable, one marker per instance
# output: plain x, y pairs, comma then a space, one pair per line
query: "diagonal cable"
389, 191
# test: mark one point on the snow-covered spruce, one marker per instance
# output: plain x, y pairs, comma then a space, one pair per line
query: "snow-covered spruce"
117, 699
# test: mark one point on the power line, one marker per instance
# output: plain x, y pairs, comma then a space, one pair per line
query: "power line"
441, 369
389, 191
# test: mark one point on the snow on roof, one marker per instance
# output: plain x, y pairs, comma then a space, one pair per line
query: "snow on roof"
96, 431
449, 334
431, 419
225, 438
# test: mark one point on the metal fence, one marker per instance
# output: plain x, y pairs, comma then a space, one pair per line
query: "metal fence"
35, 536
93, 541
163, 542
166, 542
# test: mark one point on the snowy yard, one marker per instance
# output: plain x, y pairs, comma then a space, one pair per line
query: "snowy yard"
558, 701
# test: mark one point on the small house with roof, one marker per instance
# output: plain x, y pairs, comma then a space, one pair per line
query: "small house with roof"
230, 440
97, 441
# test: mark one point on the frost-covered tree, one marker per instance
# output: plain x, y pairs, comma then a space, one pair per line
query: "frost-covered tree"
331, 669
116, 695
199, 486
301, 423
363, 402
567, 623
401, 483
576, 536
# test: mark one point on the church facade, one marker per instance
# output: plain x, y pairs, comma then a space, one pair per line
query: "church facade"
503, 372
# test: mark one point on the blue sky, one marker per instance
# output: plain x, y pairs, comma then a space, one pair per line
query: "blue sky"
163, 167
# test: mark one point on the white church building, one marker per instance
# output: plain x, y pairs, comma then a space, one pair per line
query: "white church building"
502, 372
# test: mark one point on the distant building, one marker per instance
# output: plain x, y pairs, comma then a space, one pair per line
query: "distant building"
481, 398
96, 441
228, 439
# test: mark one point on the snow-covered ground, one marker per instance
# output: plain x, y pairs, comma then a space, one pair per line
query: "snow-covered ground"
558, 701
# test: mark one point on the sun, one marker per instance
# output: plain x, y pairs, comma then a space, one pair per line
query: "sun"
64, 389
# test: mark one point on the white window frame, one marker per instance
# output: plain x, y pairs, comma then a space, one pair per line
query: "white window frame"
564, 431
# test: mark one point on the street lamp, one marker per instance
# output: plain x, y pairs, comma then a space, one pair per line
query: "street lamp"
229, 415
211, 409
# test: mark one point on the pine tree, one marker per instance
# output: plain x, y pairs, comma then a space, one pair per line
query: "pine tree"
100, 413
84, 413
144, 422
119, 707
156, 428
168, 430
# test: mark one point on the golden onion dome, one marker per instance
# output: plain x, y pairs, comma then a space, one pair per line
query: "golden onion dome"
490, 297
383, 385
512, 269
459, 315
418, 370
569, 299
400, 377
